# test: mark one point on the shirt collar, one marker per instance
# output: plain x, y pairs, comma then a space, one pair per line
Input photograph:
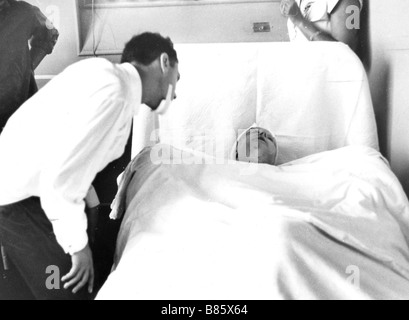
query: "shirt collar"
134, 85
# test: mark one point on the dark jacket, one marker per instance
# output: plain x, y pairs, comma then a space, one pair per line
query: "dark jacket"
21, 24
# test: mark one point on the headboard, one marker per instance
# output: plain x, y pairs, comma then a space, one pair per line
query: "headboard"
313, 96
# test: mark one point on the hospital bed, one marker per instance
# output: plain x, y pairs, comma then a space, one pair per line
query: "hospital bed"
331, 222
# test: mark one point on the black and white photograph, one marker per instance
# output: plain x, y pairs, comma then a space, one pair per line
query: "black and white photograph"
204, 154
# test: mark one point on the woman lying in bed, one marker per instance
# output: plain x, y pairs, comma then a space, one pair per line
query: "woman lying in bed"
256, 145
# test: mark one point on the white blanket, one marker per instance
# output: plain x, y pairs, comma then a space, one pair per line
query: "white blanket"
331, 226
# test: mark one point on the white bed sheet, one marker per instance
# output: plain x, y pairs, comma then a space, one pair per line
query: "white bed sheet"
330, 226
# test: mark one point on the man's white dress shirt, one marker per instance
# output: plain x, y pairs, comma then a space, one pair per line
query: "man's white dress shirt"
57, 142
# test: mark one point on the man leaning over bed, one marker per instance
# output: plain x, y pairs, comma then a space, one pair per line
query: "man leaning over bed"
53, 147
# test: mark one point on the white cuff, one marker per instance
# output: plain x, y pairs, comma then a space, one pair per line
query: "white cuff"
72, 238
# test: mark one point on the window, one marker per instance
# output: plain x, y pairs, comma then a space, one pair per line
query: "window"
104, 26
154, 3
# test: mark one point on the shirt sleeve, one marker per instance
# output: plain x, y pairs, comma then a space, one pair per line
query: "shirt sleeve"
331, 4
97, 140
44, 34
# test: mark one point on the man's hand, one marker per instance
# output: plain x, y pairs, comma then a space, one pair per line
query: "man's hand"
290, 9
82, 271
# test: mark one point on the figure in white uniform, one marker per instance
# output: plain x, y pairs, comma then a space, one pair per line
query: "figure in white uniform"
323, 20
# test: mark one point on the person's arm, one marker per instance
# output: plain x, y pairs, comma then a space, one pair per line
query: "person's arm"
97, 138
291, 10
44, 37
340, 31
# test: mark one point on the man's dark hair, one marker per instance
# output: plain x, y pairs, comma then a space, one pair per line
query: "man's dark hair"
6, 3
147, 47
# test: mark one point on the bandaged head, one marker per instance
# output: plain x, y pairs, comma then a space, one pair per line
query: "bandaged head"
256, 145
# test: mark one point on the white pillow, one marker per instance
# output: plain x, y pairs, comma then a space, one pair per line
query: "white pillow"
216, 96
316, 99
313, 96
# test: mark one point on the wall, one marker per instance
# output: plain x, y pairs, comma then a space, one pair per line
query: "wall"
389, 80
197, 22
66, 51
114, 26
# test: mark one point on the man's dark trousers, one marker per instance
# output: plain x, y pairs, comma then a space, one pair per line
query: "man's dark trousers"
36, 260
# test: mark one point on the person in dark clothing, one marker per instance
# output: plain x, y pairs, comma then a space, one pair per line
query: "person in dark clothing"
26, 37
21, 24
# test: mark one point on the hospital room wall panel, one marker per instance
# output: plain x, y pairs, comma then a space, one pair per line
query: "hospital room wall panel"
184, 24
399, 116
65, 52
389, 80
195, 23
